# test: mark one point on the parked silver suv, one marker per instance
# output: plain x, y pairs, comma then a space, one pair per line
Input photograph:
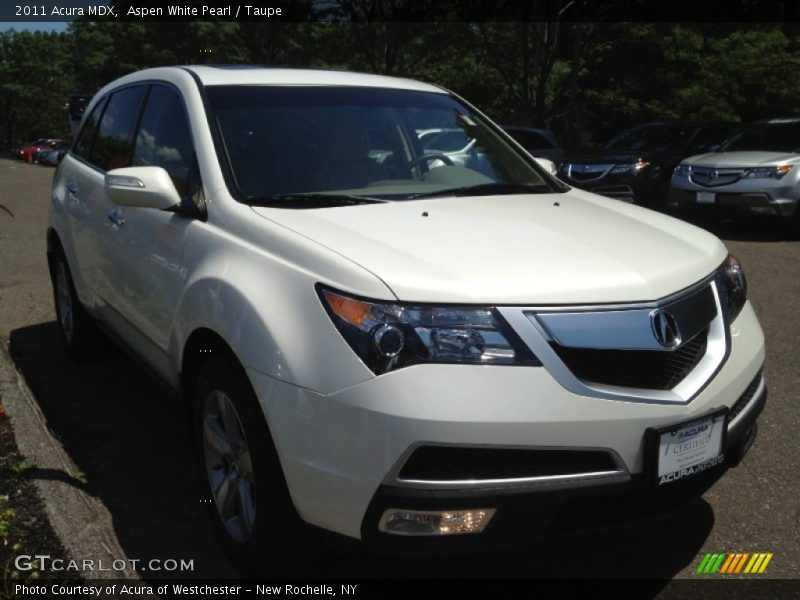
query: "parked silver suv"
754, 171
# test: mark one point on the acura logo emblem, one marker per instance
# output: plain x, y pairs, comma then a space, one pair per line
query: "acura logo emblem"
665, 328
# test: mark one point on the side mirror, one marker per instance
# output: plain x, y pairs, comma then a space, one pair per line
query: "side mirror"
143, 187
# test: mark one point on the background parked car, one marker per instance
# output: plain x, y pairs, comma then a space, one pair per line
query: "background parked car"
463, 150
53, 155
636, 165
447, 141
757, 170
27, 148
540, 143
30, 153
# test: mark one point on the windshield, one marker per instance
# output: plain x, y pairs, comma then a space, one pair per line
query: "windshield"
663, 137
774, 137
363, 142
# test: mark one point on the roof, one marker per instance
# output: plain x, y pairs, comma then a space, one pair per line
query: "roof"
257, 75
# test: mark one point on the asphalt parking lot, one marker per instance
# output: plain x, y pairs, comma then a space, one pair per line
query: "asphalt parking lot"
128, 438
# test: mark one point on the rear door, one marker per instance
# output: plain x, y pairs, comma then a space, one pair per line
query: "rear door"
105, 143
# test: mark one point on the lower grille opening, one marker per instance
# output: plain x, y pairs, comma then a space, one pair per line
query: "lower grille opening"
745, 398
447, 463
646, 369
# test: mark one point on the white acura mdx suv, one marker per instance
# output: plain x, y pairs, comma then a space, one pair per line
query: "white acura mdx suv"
383, 344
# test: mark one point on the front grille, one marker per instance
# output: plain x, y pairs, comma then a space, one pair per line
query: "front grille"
587, 172
448, 463
712, 177
745, 398
645, 369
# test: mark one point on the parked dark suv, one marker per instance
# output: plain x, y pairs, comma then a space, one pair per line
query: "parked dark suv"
636, 165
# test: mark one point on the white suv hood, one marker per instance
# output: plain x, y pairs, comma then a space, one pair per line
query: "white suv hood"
523, 249
742, 159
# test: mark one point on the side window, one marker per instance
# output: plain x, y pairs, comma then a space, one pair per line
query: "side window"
83, 145
531, 140
165, 139
113, 146
710, 136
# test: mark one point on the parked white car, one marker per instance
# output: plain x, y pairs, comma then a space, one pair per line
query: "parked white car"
402, 355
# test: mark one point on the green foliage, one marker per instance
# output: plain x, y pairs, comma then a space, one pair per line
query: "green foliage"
6, 519
583, 80
35, 80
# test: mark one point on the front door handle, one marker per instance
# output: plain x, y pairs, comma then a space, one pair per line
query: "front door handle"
116, 218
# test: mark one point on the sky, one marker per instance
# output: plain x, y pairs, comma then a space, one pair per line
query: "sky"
33, 26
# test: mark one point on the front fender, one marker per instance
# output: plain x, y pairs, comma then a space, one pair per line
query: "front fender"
267, 310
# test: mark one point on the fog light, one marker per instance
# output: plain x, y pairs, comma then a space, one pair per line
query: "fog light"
444, 522
763, 210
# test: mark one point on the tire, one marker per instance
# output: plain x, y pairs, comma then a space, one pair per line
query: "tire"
76, 327
658, 199
793, 225
255, 521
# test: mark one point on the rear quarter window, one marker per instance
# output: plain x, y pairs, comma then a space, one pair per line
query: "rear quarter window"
83, 144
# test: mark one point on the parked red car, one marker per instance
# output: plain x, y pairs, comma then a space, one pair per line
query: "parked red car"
30, 152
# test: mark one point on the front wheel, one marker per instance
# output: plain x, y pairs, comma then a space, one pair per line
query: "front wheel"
249, 503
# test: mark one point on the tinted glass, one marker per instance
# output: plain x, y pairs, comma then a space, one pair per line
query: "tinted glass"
711, 136
775, 137
86, 137
164, 139
655, 138
113, 146
360, 141
530, 140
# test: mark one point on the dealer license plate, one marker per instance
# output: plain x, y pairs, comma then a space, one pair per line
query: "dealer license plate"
706, 197
686, 449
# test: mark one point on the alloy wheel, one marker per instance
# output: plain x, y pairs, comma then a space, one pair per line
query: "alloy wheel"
229, 466
66, 315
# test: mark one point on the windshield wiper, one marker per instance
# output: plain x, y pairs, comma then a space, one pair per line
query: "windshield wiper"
488, 189
310, 200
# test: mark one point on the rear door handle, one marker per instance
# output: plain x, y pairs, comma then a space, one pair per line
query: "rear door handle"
72, 187
116, 218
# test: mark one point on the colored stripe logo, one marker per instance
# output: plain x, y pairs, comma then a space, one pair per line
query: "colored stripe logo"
734, 562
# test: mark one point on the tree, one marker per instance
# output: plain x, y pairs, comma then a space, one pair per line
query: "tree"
34, 81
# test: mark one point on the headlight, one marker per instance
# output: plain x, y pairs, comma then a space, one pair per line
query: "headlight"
768, 172
683, 170
631, 167
392, 335
732, 285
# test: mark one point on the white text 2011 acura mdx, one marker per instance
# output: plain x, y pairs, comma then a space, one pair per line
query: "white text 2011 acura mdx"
417, 350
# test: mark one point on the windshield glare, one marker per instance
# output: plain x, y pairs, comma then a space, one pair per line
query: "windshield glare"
771, 137
372, 142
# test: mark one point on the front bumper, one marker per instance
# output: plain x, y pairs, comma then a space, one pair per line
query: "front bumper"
741, 198
339, 451
525, 514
